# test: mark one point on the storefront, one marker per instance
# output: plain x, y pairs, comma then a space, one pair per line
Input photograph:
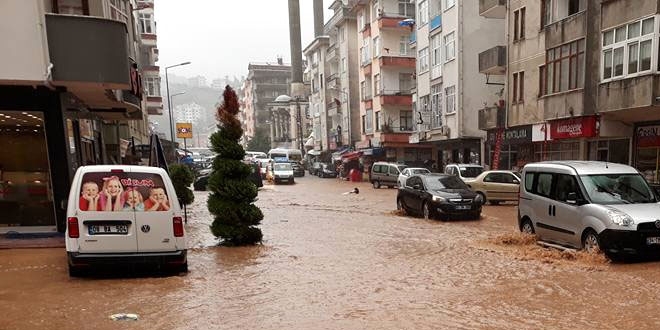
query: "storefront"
516, 148
647, 151
567, 138
458, 151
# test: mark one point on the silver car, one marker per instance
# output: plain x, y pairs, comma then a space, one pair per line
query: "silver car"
590, 205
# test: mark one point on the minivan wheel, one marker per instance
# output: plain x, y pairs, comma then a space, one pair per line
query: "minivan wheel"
376, 184
426, 211
590, 242
527, 227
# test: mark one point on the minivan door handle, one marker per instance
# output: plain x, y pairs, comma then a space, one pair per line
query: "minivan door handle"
554, 210
550, 210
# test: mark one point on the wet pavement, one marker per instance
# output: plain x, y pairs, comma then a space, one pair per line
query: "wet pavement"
336, 261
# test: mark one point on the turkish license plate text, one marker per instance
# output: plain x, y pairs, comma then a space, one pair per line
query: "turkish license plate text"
462, 207
108, 229
652, 240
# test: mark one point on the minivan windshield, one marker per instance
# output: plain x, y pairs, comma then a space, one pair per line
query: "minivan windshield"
617, 189
471, 172
282, 167
444, 182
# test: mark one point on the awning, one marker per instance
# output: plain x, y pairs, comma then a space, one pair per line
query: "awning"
351, 156
314, 152
337, 154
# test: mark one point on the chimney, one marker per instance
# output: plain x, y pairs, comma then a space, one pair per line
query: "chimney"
318, 18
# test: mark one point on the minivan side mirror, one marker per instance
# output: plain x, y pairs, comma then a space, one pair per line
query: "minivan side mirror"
516, 181
572, 198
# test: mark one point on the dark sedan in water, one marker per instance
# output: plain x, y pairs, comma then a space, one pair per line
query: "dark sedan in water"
203, 178
438, 196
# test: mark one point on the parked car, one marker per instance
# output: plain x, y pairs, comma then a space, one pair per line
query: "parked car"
438, 196
283, 172
315, 168
385, 174
298, 169
464, 171
590, 205
407, 172
495, 186
203, 180
124, 214
326, 171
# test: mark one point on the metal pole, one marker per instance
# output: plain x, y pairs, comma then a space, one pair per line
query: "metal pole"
169, 109
300, 134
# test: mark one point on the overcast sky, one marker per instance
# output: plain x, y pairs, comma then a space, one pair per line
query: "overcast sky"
221, 37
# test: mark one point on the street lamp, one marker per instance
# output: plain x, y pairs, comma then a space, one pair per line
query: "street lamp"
169, 101
348, 113
169, 104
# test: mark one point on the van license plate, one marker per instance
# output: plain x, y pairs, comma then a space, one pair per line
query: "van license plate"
652, 240
108, 229
462, 207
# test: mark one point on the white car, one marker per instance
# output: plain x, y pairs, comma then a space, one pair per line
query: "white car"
407, 172
124, 214
283, 172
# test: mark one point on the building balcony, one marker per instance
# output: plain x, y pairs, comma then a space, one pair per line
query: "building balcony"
357, 3
366, 68
90, 56
366, 30
149, 39
400, 136
413, 37
492, 8
340, 16
435, 23
566, 30
332, 80
332, 53
395, 97
391, 21
631, 100
493, 61
397, 61
492, 117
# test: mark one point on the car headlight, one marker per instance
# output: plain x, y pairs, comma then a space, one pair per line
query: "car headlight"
438, 199
619, 218
478, 199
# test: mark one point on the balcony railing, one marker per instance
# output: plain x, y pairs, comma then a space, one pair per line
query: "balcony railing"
492, 8
492, 117
396, 97
398, 61
493, 61
400, 136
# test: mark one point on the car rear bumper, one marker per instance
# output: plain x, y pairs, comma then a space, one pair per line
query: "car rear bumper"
627, 241
89, 259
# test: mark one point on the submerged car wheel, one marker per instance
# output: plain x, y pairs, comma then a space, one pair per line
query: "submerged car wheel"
590, 242
527, 227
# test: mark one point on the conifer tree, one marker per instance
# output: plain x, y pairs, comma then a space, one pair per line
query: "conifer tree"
232, 194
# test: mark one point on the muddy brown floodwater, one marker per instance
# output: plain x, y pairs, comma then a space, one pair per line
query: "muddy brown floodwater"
335, 261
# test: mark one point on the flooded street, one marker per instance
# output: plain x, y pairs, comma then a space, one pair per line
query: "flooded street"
335, 261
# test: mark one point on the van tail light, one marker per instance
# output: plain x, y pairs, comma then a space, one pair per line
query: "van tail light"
177, 226
72, 226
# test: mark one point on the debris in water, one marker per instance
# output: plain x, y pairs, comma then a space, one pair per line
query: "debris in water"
124, 316
354, 191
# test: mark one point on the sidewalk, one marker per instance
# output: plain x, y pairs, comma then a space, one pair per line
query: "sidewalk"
29, 241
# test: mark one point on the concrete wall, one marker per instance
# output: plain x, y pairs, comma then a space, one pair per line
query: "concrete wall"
628, 93
24, 55
566, 104
450, 70
623, 11
568, 29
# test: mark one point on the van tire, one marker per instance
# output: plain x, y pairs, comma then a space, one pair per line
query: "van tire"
376, 184
590, 241
527, 227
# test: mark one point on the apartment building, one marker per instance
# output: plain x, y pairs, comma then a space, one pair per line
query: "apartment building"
448, 36
264, 83
73, 75
386, 76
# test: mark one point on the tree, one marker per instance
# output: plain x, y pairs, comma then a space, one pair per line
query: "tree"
232, 193
260, 141
182, 177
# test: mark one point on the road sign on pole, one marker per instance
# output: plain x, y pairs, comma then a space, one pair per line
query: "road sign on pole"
184, 130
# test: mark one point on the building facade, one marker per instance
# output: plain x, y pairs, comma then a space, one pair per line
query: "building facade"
74, 76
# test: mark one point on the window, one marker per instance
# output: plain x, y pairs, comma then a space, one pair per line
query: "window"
519, 24
423, 15
546, 12
119, 10
518, 87
342, 35
436, 106
72, 7
564, 68
361, 22
368, 121
627, 50
376, 46
343, 64
449, 3
377, 86
566, 184
406, 8
449, 47
406, 82
529, 181
366, 58
436, 57
147, 24
423, 60
403, 45
556, 10
376, 11
573, 7
379, 120
543, 184
406, 121
450, 95
152, 86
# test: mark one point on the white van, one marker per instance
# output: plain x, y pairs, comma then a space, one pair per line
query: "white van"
121, 213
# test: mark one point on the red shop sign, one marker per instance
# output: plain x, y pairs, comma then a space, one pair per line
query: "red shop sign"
648, 136
574, 128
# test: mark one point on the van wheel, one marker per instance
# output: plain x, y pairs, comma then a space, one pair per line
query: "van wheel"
590, 241
376, 184
527, 227
75, 271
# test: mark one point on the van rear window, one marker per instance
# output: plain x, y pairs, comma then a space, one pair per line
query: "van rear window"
122, 191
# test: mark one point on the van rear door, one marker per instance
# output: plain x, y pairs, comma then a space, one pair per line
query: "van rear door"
105, 225
155, 222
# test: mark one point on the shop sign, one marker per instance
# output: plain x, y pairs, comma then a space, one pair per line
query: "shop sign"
574, 128
648, 136
512, 136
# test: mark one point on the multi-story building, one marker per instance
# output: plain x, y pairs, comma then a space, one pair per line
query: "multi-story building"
73, 75
265, 82
188, 113
449, 35
386, 75
197, 81
149, 57
316, 75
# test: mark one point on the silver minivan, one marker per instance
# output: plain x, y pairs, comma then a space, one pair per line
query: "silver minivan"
385, 174
589, 205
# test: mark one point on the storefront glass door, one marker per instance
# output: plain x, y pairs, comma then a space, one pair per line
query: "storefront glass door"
647, 163
26, 194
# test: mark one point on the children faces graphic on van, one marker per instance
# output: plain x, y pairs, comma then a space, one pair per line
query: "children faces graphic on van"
108, 192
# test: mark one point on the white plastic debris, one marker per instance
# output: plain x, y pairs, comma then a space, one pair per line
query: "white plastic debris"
124, 316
